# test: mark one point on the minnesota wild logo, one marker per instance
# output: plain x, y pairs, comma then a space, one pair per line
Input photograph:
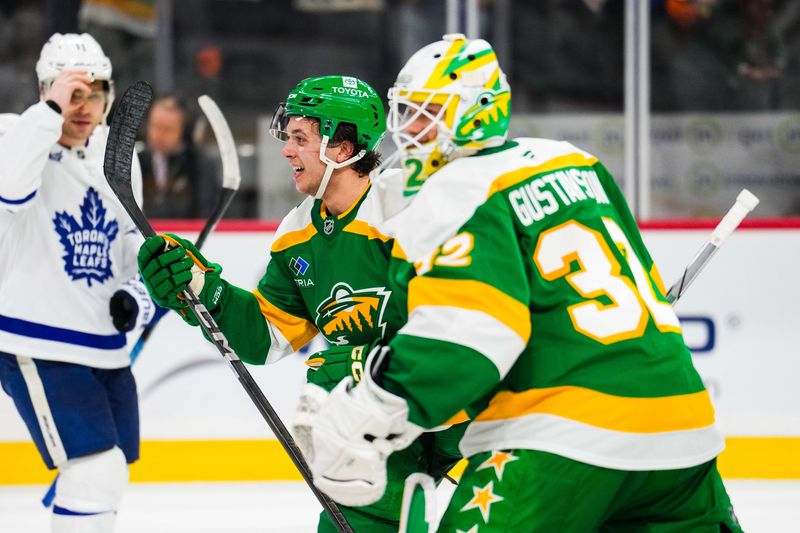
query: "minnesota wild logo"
488, 118
348, 312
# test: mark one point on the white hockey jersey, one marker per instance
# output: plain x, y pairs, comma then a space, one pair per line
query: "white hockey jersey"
66, 245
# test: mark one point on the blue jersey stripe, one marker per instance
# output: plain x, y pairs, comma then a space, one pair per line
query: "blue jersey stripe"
68, 512
17, 202
68, 336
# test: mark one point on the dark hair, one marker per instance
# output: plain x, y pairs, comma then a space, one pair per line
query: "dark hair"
347, 132
176, 102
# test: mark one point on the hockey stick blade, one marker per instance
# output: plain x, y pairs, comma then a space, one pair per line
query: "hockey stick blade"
745, 202
119, 149
231, 174
231, 177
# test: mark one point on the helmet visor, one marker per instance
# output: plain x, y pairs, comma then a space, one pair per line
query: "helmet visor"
277, 126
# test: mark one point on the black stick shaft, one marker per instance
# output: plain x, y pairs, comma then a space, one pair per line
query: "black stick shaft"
211, 329
223, 201
117, 167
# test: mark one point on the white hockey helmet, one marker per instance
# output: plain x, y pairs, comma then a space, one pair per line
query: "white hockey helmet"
462, 81
71, 50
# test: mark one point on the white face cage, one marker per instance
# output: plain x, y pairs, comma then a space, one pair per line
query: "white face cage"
403, 113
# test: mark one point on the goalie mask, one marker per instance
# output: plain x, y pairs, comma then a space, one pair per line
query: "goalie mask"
333, 100
456, 89
74, 51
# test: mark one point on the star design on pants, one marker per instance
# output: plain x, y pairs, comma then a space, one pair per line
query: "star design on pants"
473, 529
498, 461
482, 499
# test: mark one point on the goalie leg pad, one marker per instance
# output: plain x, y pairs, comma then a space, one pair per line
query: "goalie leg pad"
88, 492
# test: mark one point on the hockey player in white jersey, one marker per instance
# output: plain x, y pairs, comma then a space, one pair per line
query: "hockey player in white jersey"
69, 287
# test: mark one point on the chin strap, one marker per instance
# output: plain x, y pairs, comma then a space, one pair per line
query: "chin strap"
332, 165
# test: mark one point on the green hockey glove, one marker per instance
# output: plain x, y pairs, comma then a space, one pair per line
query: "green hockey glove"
329, 367
169, 265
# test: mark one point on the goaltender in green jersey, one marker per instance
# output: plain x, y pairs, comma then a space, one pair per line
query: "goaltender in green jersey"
527, 277
327, 271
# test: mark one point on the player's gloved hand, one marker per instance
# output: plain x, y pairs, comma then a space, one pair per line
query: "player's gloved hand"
328, 367
348, 434
169, 265
131, 307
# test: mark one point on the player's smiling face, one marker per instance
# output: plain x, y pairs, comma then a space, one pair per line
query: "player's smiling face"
302, 151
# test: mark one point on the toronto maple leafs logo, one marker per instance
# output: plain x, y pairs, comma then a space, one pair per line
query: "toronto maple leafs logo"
87, 243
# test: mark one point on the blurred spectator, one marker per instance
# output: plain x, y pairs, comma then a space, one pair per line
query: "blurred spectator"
179, 180
726, 55
20, 42
568, 55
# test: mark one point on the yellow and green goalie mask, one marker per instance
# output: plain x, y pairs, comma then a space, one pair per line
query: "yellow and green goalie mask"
451, 99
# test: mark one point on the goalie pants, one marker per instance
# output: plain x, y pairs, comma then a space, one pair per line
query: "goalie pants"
528, 491
73, 410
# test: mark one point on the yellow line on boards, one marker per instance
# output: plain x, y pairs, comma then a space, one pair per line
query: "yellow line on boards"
265, 460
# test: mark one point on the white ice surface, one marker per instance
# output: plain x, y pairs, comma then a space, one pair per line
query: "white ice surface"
762, 507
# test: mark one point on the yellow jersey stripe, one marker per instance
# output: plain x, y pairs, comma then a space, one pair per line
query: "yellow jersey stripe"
360, 227
298, 331
474, 295
607, 411
656, 275
457, 418
514, 177
323, 209
398, 252
292, 238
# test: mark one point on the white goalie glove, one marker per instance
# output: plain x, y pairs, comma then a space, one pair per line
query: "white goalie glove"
348, 435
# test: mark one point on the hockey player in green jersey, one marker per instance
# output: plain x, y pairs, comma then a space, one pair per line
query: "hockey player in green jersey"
533, 304
327, 271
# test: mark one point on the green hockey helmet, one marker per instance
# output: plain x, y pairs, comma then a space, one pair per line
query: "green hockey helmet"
333, 100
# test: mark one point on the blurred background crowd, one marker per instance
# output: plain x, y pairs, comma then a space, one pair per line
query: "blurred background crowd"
724, 96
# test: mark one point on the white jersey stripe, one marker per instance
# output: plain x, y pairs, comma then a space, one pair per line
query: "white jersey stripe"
279, 347
594, 445
41, 407
466, 327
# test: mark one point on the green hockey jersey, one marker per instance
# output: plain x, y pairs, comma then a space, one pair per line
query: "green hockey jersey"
326, 274
533, 303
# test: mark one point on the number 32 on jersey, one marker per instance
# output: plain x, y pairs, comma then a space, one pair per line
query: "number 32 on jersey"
633, 302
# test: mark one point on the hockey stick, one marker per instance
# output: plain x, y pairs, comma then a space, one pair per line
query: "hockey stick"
231, 177
117, 167
745, 202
